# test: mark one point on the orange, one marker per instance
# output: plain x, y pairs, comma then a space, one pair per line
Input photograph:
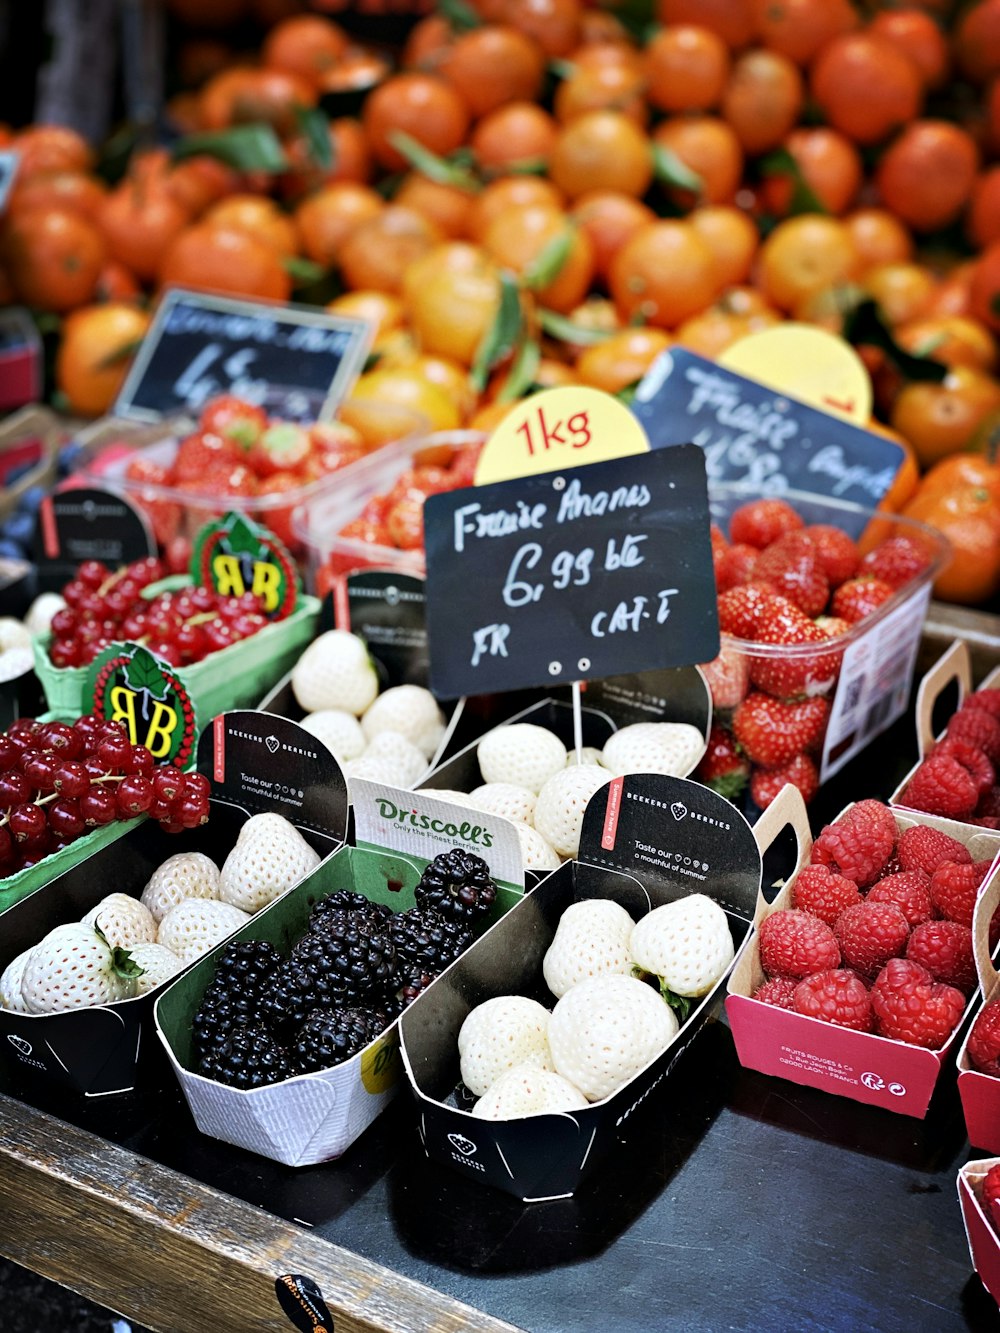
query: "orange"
201, 57
763, 99
510, 192
984, 288
926, 175
426, 108
380, 309
200, 181
358, 71
906, 479
953, 294
732, 238
609, 220
513, 134
901, 290
428, 40
732, 20
616, 85
599, 27
446, 375
983, 220
325, 219
519, 237
407, 388
554, 24
379, 250
799, 29
865, 87
241, 96
664, 274
711, 149
686, 69
622, 360
489, 416
51, 148
221, 259
451, 297
94, 353
307, 45
954, 339
72, 190
491, 66
711, 331
138, 221
830, 165
977, 41
941, 419
804, 255
601, 150
879, 237
258, 217
447, 206
351, 160
116, 283
920, 40
53, 258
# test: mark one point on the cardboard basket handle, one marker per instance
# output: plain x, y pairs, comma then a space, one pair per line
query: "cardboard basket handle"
955, 665
787, 810
986, 905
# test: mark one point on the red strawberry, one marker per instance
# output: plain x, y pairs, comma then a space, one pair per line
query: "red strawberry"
199, 454
778, 991
976, 727
719, 545
987, 700
983, 1046
227, 480
791, 565
941, 786
871, 934
795, 944
761, 522
278, 518
735, 566
831, 627
911, 1006
233, 419
858, 845
823, 893
858, 598
728, 677
955, 887
283, 447
838, 996
945, 949
835, 551
164, 516
897, 560
723, 766
990, 1195
909, 890
740, 609
801, 772
771, 732
923, 848
972, 759
789, 675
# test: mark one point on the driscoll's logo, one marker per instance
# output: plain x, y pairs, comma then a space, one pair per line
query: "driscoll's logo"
466, 832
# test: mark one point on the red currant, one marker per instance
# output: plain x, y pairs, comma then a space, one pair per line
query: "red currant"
71, 778
134, 795
65, 819
14, 788
64, 622
8, 754
115, 752
98, 806
62, 739
92, 573
168, 784
27, 821
141, 761
40, 770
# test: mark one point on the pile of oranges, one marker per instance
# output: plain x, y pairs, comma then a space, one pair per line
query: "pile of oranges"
537, 194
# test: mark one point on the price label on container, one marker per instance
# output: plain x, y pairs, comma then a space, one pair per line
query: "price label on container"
815, 366
296, 362
82, 524
8, 170
571, 575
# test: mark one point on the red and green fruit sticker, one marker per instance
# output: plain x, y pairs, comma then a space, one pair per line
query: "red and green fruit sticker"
127, 683
234, 556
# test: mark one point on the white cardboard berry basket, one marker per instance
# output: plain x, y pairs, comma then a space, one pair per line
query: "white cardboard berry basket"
861, 1065
980, 1093
255, 764
647, 840
984, 1243
315, 1117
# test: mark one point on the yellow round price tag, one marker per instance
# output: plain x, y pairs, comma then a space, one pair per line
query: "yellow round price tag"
557, 428
807, 363
380, 1065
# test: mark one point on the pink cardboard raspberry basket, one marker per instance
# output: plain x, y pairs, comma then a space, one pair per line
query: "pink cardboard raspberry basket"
984, 1243
980, 1093
861, 1065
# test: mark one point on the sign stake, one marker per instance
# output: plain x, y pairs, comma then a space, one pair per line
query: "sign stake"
578, 721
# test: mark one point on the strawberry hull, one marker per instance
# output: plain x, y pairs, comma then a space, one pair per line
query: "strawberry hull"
647, 840
248, 758
984, 1244
879, 1071
980, 1093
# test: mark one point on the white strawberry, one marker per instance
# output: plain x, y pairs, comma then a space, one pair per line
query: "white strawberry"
335, 671
410, 710
536, 854
521, 753
654, 747
605, 1030
38, 617
193, 927
339, 731
687, 944
452, 797
73, 968
527, 1089
123, 921
499, 1034
561, 803
410, 762
10, 985
591, 940
15, 662
505, 799
185, 875
374, 769
269, 857
587, 754
158, 965
13, 634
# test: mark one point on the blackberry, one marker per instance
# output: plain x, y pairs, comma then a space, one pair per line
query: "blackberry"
346, 901
247, 964
350, 963
221, 1010
412, 985
425, 941
249, 1058
458, 885
287, 998
331, 1036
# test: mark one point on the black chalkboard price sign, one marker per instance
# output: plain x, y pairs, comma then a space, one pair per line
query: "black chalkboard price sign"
571, 575
296, 362
8, 170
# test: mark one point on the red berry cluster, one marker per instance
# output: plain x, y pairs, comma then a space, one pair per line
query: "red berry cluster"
60, 780
958, 779
989, 1193
785, 585
182, 626
878, 937
983, 1046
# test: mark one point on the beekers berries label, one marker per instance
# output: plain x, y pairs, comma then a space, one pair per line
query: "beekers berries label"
129, 684
234, 555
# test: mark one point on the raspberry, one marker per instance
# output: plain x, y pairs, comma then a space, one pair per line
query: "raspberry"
983, 1046
945, 949
795, 944
975, 762
989, 804
823, 893
911, 1006
859, 845
924, 848
941, 786
778, 991
838, 996
987, 700
871, 934
976, 727
990, 1191
909, 890
955, 888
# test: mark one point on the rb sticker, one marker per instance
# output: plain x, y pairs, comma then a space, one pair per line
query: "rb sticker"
234, 556
129, 684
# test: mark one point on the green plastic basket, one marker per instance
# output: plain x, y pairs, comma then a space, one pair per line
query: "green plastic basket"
16, 887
